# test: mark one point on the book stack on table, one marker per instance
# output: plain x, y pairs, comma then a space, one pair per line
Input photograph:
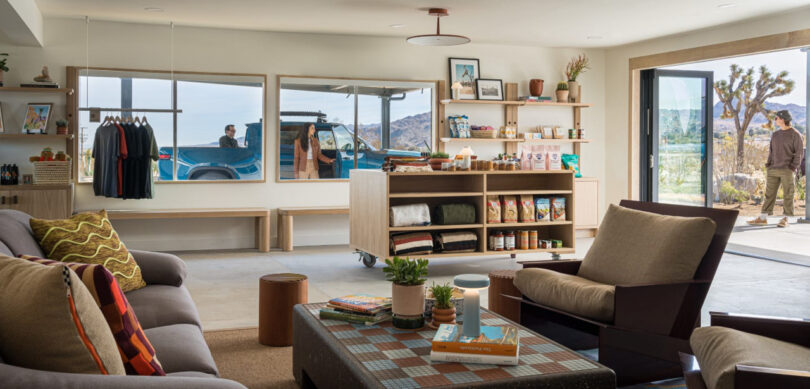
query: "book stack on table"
497, 345
358, 309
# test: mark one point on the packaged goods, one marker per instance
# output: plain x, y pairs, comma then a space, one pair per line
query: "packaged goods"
544, 244
493, 209
463, 124
542, 207
526, 208
523, 242
496, 242
572, 133
571, 162
526, 157
554, 158
532, 240
557, 208
509, 211
581, 133
451, 121
538, 157
509, 240
556, 244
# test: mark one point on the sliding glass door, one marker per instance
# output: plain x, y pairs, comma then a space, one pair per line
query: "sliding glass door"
676, 137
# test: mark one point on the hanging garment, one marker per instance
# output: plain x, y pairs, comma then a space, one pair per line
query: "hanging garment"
106, 150
122, 155
153, 156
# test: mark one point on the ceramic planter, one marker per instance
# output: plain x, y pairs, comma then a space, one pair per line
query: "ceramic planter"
573, 91
436, 163
536, 87
1, 78
562, 96
407, 300
443, 316
61, 130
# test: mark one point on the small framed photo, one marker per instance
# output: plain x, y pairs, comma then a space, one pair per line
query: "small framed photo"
489, 89
27, 179
36, 118
464, 71
2, 126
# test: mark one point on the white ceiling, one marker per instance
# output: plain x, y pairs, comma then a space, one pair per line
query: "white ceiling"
552, 23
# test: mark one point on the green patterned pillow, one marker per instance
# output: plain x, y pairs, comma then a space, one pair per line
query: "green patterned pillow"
89, 238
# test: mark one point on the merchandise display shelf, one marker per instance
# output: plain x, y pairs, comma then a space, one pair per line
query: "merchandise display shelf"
36, 136
527, 192
516, 140
519, 103
563, 250
496, 226
437, 227
436, 194
19, 89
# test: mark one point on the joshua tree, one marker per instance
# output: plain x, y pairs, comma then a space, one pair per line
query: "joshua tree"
746, 94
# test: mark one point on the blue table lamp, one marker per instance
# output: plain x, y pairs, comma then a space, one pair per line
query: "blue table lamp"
471, 284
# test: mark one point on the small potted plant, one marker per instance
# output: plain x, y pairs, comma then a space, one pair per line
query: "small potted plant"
407, 291
437, 158
61, 127
574, 68
443, 311
3, 67
562, 92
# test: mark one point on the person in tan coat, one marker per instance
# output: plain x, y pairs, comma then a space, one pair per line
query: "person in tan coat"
308, 153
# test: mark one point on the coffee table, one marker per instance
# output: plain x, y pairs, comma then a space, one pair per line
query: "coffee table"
336, 354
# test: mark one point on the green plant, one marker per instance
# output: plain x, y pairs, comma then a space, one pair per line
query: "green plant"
576, 66
61, 123
442, 294
562, 85
3, 66
440, 154
406, 271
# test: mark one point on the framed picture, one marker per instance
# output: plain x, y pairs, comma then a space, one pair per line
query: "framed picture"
36, 118
27, 179
2, 127
465, 71
488, 89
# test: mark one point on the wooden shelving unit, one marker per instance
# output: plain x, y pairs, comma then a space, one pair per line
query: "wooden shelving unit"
373, 192
68, 91
36, 136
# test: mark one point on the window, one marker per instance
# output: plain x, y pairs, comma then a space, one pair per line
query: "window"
391, 115
194, 142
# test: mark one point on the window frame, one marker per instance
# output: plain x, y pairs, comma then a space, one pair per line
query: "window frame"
72, 108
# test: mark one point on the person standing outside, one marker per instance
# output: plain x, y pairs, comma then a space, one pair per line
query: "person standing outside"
228, 141
308, 153
784, 157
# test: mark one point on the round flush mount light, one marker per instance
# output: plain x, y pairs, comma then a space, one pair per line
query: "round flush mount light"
726, 5
397, 25
438, 39
153, 9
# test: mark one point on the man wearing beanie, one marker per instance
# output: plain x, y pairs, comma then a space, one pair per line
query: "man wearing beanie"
784, 158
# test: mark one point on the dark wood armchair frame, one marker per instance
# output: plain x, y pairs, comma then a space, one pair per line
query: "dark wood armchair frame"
652, 323
795, 331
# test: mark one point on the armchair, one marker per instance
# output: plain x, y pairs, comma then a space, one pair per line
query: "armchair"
645, 316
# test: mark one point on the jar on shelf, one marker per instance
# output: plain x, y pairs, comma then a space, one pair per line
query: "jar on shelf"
509, 240
496, 240
524, 240
533, 240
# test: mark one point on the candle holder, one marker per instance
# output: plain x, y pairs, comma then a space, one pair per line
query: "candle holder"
471, 284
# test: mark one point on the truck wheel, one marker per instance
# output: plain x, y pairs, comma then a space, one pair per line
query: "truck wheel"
368, 259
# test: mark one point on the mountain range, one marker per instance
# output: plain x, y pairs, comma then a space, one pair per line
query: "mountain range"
408, 133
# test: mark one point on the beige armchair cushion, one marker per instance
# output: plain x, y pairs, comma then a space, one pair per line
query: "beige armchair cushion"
567, 292
719, 349
636, 247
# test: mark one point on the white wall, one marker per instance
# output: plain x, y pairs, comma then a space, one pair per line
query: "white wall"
617, 81
140, 46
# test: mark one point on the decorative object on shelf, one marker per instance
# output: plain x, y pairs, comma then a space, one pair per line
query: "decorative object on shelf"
27, 179
36, 118
580, 133
455, 88
407, 291
465, 71
466, 156
489, 89
44, 76
43, 80
562, 92
3, 68
50, 168
443, 311
536, 87
471, 284
483, 132
438, 39
438, 158
61, 127
575, 67
2, 126
456, 300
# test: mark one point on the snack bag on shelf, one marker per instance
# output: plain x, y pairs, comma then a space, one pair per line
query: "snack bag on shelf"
558, 208
542, 207
493, 209
554, 158
526, 208
571, 162
463, 124
538, 157
509, 209
451, 122
526, 157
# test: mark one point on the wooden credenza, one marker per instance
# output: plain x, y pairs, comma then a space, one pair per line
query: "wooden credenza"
40, 201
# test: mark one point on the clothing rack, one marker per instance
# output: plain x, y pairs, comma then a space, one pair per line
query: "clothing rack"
131, 110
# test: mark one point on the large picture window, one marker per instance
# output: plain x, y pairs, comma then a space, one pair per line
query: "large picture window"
318, 117
208, 127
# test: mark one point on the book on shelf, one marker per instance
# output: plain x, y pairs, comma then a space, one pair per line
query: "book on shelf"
493, 341
474, 358
362, 303
40, 85
369, 320
535, 98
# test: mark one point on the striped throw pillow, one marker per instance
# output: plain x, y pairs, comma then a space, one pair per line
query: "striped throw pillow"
88, 238
137, 353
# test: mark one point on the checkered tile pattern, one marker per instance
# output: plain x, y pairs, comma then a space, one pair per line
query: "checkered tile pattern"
401, 359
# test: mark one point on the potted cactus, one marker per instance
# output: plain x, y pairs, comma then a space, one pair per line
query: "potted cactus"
407, 291
61, 127
562, 92
578, 65
3, 67
437, 158
443, 312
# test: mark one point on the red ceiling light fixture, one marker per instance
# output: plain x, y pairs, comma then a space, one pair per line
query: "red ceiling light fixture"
438, 39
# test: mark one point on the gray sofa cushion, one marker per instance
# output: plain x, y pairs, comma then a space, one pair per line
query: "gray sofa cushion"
16, 234
162, 305
160, 268
191, 374
181, 347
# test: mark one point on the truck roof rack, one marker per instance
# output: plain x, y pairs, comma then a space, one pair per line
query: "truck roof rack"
320, 115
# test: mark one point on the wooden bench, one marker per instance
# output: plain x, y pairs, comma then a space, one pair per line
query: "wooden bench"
285, 221
262, 216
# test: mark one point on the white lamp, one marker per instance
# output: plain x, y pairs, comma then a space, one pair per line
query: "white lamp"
456, 87
471, 284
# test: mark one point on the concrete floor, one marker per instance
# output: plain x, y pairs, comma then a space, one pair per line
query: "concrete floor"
225, 284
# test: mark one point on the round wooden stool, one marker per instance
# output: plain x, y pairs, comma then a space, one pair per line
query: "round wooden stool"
501, 282
277, 295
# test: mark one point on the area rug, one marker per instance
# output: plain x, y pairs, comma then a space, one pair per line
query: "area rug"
240, 357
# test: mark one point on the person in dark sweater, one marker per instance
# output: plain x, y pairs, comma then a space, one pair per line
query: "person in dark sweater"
227, 141
784, 157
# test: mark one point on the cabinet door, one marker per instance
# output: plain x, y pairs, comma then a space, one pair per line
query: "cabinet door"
586, 202
44, 204
5, 199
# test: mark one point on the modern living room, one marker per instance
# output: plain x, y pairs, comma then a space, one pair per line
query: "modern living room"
396, 194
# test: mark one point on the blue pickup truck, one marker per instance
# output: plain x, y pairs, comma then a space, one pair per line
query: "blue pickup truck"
215, 163
337, 142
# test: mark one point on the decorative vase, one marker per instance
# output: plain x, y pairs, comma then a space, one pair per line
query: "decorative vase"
408, 306
573, 91
536, 87
443, 316
562, 96
436, 163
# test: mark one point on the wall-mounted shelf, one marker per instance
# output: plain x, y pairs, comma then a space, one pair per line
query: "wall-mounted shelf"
516, 103
19, 89
516, 140
36, 136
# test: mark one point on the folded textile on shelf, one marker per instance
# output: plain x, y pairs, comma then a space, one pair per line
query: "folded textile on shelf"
412, 243
455, 214
458, 241
410, 215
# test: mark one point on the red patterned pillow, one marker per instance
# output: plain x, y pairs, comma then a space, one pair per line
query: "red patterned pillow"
137, 353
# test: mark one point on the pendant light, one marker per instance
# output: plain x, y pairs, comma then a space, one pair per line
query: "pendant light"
438, 39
